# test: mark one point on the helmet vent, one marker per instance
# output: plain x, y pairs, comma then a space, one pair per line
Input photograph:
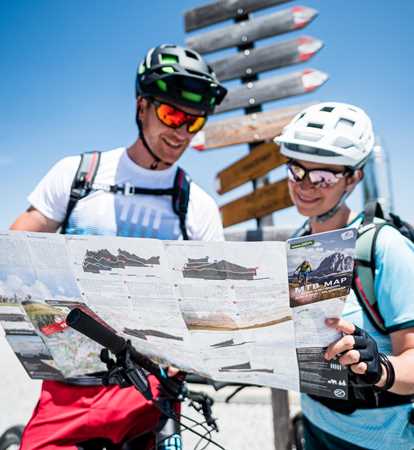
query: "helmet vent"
344, 124
315, 125
191, 55
167, 58
327, 109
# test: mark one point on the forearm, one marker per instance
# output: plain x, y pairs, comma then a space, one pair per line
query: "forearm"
404, 373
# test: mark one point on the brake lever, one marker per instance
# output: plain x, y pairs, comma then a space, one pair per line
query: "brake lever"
205, 402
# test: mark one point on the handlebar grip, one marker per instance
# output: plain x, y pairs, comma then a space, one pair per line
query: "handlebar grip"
94, 330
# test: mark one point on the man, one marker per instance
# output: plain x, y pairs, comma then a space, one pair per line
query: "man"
175, 92
328, 145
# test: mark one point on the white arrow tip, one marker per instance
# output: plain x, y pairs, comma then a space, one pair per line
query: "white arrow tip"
199, 140
312, 79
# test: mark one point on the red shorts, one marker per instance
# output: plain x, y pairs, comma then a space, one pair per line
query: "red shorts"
68, 414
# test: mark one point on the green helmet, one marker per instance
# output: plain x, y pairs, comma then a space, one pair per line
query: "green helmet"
181, 76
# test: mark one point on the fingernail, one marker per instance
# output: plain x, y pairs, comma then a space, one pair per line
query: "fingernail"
330, 321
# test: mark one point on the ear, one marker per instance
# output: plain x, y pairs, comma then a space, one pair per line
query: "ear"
142, 105
353, 180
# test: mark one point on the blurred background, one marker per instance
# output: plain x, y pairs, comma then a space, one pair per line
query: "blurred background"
68, 70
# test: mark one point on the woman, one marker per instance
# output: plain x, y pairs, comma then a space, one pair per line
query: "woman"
327, 146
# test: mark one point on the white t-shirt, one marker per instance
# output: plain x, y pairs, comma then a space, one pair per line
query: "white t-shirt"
104, 213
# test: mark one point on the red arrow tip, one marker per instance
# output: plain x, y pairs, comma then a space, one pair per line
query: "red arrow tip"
307, 47
302, 15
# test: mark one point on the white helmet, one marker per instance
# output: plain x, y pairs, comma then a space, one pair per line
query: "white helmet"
329, 133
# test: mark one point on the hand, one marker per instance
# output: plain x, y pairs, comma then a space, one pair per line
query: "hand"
172, 371
356, 349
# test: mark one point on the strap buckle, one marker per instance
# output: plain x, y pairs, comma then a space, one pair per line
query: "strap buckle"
129, 189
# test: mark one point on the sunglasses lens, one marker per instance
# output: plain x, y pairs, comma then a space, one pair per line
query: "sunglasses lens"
170, 116
196, 124
175, 118
296, 173
323, 178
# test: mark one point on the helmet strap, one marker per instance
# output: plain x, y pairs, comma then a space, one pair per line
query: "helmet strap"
331, 212
157, 159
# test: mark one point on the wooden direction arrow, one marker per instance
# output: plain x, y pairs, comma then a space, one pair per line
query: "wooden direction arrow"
259, 203
225, 9
249, 31
270, 57
269, 89
257, 163
245, 129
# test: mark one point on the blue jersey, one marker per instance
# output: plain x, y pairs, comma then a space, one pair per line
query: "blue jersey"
381, 428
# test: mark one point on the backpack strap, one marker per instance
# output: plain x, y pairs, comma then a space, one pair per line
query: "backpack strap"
372, 209
364, 272
82, 183
181, 198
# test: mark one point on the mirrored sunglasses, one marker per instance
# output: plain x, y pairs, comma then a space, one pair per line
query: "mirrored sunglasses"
173, 117
318, 177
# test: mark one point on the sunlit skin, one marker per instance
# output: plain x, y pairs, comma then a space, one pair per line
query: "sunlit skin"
312, 201
167, 143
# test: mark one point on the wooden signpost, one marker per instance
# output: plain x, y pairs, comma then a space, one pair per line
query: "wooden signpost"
251, 128
266, 58
256, 127
259, 203
271, 89
249, 31
256, 164
222, 10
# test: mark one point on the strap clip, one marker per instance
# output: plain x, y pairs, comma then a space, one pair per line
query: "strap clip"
129, 189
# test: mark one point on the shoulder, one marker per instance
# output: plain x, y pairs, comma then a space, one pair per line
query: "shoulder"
199, 197
390, 240
69, 163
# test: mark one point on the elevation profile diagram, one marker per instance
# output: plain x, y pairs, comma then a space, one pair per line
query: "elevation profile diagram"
217, 270
103, 260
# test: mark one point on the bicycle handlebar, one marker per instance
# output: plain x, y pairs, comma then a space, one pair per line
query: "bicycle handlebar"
122, 349
94, 330
99, 333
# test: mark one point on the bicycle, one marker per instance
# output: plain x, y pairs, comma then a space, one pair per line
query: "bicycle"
127, 370
130, 368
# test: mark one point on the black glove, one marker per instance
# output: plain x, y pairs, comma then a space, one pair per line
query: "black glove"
369, 354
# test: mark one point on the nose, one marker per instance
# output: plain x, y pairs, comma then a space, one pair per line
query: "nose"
306, 184
182, 131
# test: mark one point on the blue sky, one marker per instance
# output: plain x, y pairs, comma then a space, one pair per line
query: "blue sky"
68, 69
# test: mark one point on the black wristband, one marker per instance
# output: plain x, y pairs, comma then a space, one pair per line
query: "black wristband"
390, 378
